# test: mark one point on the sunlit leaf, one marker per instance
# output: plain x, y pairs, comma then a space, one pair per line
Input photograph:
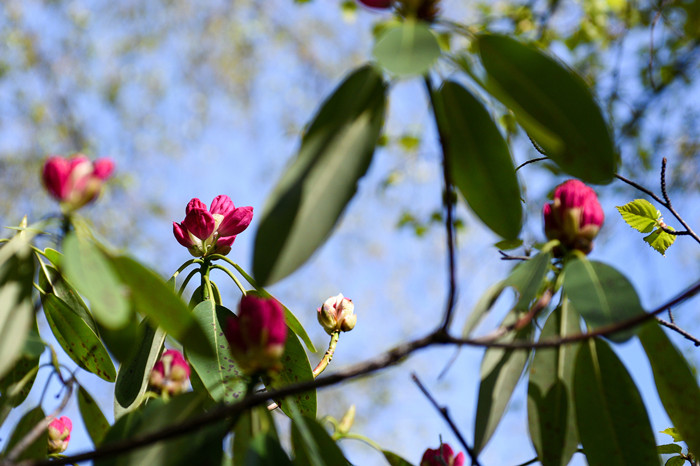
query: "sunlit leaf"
408, 49
660, 240
311, 195
673, 432
640, 214
95, 422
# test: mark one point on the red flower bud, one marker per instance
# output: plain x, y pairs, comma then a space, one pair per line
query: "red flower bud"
574, 217
442, 456
337, 314
212, 231
75, 181
171, 373
378, 4
59, 434
258, 334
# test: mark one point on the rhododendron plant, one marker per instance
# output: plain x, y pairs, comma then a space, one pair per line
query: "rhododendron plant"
75, 181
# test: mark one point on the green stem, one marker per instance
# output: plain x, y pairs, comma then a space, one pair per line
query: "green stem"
329, 354
207, 293
187, 280
233, 277
184, 266
243, 273
364, 439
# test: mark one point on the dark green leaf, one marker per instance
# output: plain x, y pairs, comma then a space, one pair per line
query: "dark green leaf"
481, 165
676, 384
252, 423
408, 49
51, 281
601, 294
553, 104
121, 342
612, 421
500, 372
220, 374
18, 382
313, 446
265, 450
295, 368
95, 422
550, 403
39, 447
669, 449
394, 460
675, 461
485, 303
77, 339
527, 278
133, 375
309, 198
86, 267
152, 297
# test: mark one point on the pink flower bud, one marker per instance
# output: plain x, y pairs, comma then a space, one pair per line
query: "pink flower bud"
212, 231
574, 217
75, 181
337, 314
442, 456
171, 373
59, 434
378, 4
258, 334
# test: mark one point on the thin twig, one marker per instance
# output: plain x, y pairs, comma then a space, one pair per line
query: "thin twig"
445, 414
679, 330
528, 162
508, 257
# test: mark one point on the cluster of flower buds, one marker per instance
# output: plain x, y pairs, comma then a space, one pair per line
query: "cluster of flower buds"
574, 217
442, 456
170, 374
75, 181
212, 231
337, 314
59, 434
257, 336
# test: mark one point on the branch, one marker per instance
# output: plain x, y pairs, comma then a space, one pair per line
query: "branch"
677, 329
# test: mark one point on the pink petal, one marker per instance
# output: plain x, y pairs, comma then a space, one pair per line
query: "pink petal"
195, 204
200, 223
181, 235
236, 221
103, 168
55, 176
222, 205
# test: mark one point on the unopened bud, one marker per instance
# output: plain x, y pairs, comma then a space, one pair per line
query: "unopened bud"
337, 314
171, 373
59, 434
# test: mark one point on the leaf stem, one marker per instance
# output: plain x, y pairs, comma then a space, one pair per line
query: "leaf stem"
232, 276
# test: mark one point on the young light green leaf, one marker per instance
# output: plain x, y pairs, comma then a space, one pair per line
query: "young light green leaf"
308, 200
612, 421
553, 104
675, 383
640, 214
409, 49
480, 161
601, 294
673, 432
295, 368
77, 339
660, 240
500, 371
669, 449
95, 422
550, 402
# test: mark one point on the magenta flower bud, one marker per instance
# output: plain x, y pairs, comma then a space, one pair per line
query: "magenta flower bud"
442, 456
574, 217
258, 334
171, 373
377, 4
75, 181
337, 314
59, 434
212, 231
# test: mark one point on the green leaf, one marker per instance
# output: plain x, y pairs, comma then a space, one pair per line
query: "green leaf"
602, 295
527, 278
53, 256
500, 371
77, 339
675, 461
335, 153
394, 460
295, 369
675, 383
251, 424
669, 449
660, 240
152, 297
38, 448
265, 450
133, 375
86, 267
673, 432
51, 281
485, 303
613, 424
409, 49
95, 422
481, 165
640, 214
16, 307
553, 104
550, 403
18, 382
220, 374
313, 446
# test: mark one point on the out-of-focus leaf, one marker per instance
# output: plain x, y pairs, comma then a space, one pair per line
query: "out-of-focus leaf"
527, 278
394, 460
673, 432
550, 403
553, 104
265, 450
77, 339
95, 422
51, 281
601, 294
220, 374
669, 449
37, 449
18, 382
132, 378
252, 423
675, 383
640, 214
86, 267
487, 300
152, 297
500, 371
675, 461
312, 444
612, 421
408, 49
295, 368
314, 190
481, 165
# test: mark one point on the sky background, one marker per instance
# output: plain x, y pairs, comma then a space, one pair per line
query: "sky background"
237, 141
